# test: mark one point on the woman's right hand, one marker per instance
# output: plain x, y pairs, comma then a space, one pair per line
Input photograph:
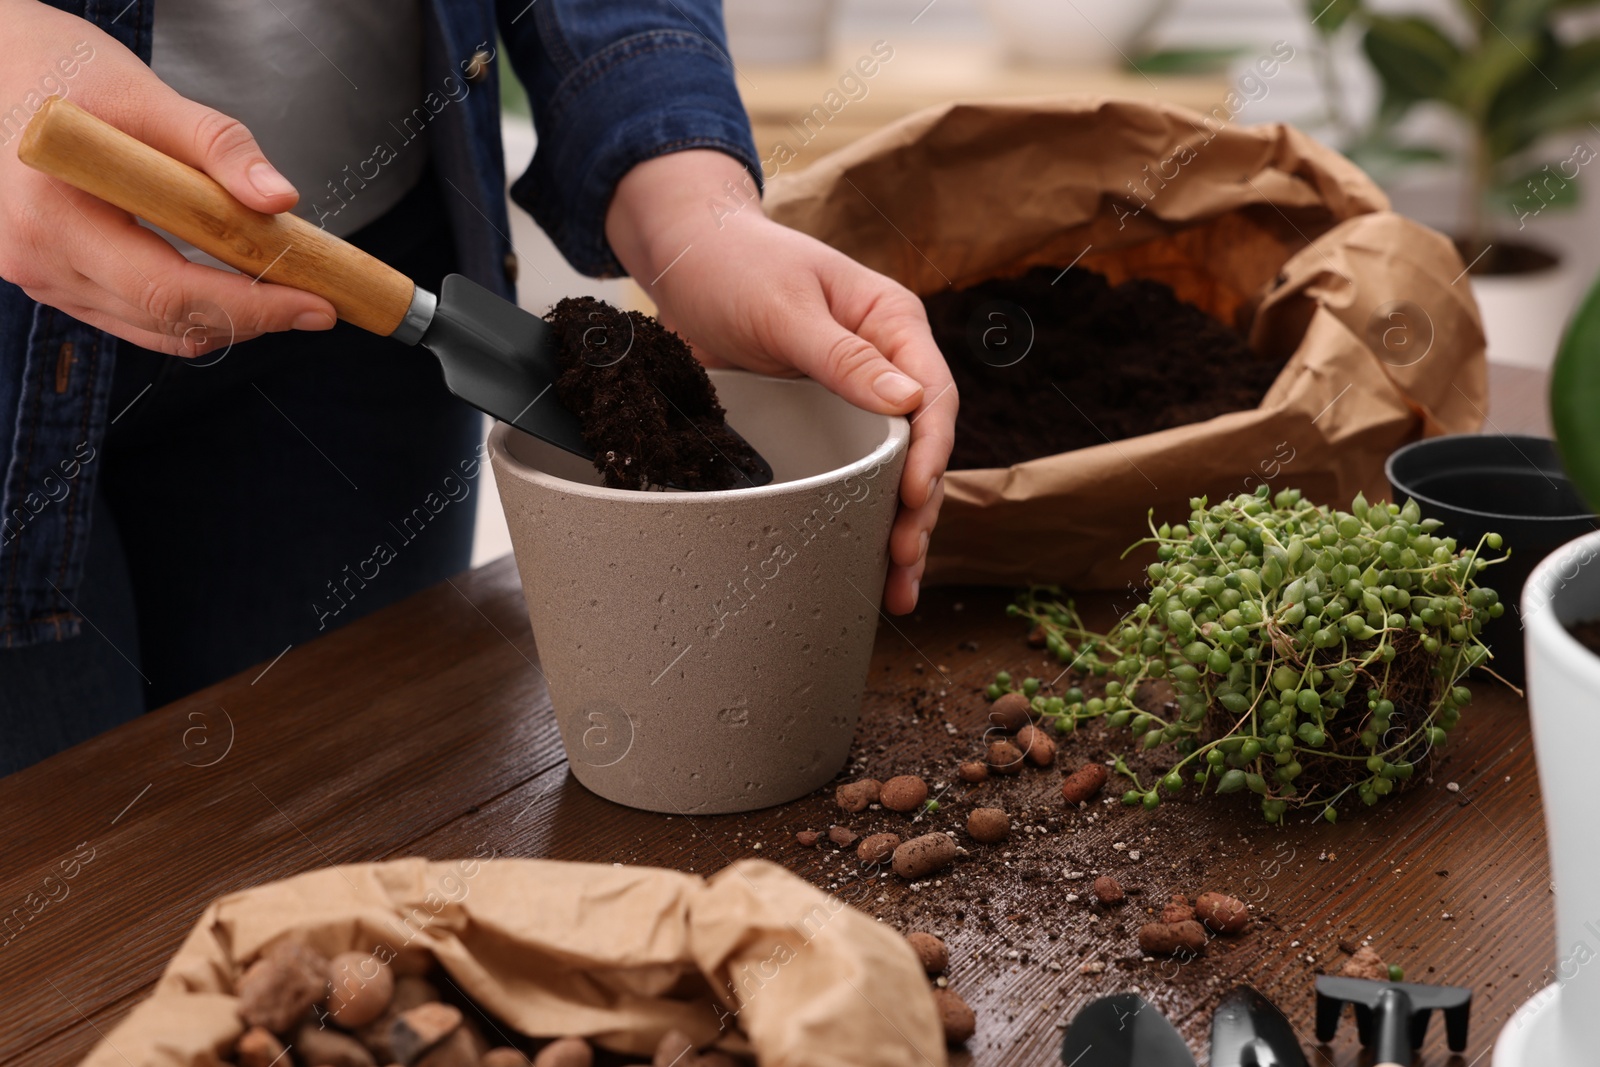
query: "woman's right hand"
91, 260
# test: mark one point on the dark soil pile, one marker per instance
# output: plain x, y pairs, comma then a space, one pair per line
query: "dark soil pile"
1102, 363
1588, 634
648, 409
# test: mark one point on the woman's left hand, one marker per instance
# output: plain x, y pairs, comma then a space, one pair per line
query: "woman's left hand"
747, 292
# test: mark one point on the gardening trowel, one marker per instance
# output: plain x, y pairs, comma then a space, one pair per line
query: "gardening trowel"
1123, 1031
495, 356
1248, 1030
1392, 1016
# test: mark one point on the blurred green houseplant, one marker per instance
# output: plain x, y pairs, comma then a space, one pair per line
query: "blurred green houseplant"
1504, 70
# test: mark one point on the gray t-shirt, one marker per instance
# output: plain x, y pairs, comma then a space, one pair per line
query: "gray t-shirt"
327, 88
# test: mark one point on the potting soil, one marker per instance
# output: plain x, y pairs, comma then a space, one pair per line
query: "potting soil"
1057, 360
647, 407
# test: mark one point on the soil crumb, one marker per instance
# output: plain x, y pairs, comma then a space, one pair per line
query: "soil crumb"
647, 406
1057, 360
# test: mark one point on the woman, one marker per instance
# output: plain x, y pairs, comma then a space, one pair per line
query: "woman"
190, 459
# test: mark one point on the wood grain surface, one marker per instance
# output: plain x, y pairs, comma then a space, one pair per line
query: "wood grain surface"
425, 729
66, 142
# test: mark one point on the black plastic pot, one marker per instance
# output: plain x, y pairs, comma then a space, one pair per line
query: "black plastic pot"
1510, 484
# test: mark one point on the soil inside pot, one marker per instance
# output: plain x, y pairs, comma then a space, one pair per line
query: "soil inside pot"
648, 408
1057, 360
1587, 633
1505, 258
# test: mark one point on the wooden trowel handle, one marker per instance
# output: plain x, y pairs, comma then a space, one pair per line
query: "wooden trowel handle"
66, 142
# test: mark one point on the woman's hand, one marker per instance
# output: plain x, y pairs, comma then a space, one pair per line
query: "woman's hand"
745, 291
82, 256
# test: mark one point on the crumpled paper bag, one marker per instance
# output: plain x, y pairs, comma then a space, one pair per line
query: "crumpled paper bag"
1261, 226
617, 954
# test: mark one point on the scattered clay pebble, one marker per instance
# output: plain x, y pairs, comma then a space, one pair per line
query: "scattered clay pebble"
277, 989
877, 848
1011, 712
905, 792
505, 1056
857, 796
258, 1048
973, 771
673, 1050
1107, 890
565, 1052
414, 1032
1083, 783
460, 1049
1224, 914
1169, 939
1037, 745
362, 988
933, 952
955, 1016
989, 825
1366, 963
1177, 909
924, 855
1037, 638
842, 836
315, 1043
808, 838
1004, 758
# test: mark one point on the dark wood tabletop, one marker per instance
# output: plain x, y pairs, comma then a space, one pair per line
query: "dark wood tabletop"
425, 730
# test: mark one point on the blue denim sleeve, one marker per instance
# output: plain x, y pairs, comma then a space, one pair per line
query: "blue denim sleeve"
613, 84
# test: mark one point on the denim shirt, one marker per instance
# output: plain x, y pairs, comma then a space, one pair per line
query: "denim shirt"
612, 84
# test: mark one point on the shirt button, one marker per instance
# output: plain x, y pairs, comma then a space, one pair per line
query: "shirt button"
511, 269
478, 66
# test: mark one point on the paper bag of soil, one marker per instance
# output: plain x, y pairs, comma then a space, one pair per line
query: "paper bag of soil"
619, 955
1366, 313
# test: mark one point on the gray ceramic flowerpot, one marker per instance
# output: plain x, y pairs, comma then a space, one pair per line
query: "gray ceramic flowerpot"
706, 652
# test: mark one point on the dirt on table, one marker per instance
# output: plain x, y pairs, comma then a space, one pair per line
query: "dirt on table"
1057, 360
647, 406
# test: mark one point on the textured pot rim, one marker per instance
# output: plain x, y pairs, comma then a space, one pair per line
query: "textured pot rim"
897, 434
1540, 597
1427, 443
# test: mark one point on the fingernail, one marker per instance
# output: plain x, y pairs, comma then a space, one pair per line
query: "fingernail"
922, 545
933, 487
916, 588
895, 388
268, 182
313, 320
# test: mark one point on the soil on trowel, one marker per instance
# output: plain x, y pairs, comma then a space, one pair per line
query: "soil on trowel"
647, 406
1057, 360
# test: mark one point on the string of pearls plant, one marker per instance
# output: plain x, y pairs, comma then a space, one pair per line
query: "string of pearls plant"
1303, 653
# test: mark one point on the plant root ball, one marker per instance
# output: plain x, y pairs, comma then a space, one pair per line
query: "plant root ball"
905, 792
877, 848
857, 796
1004, 758
1108, 891
989, 826
1037, 746
933, 952
1172, 939
1222, 913
1084, 783
925, 855
973, 772
1011, 712
955, 1017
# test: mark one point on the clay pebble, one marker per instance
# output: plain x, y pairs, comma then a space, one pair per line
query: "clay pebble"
857, 796
1084, 783
877, 848
932, 951
1010, 712
925, 855
988, 825
1222, 913
905, 792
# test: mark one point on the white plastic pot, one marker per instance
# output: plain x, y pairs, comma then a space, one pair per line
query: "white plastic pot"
1525, 314
1560, 1025
706, 652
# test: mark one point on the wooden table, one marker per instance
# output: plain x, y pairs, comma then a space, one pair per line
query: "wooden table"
425, 729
